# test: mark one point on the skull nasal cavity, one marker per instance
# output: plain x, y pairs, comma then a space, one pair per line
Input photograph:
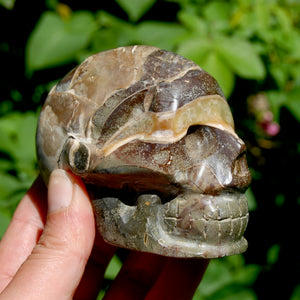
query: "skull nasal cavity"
241, 173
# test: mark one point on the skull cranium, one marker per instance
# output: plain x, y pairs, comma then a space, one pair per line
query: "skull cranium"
152, 136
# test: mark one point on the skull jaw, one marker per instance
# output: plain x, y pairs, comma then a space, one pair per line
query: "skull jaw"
191, 225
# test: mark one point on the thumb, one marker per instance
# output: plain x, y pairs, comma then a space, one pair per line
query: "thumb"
57, 262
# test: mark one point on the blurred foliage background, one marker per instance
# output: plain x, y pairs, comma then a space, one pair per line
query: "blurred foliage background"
250, 47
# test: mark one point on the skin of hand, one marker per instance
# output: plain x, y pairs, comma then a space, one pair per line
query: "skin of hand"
51, 251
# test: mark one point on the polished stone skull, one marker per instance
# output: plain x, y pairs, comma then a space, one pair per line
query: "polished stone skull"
153, 138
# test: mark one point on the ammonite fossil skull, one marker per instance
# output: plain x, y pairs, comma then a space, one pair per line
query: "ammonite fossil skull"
153, 138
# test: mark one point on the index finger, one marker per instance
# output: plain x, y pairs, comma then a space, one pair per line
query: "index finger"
179, 279
23, 232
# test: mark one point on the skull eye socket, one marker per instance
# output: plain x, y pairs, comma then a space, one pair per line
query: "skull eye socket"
79, 156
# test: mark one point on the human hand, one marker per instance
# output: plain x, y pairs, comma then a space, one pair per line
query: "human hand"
51, 251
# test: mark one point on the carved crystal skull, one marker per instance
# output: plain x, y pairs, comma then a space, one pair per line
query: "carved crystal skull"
152, 136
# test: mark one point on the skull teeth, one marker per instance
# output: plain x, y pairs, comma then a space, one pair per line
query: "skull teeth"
215, 231
213, 219
199, 206
191, 225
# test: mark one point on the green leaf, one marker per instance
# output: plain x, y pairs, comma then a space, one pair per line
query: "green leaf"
113, 268
17, 133
217, 14
293, 103
4, 222
276, 100
9, 186
55, 41
241, 57
135, 9
295, 45
113, 33
18, 167
216, 277
217, 10
159, 34
220, 71
193, 22
252, 204
294, 107
8, 4
245, 294
262, 17
17, 141
296, 293
273, 254
280, 72
203, 54
195, 49
290, 100
227, 277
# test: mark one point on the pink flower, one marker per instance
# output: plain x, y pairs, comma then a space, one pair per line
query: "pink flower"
270, 128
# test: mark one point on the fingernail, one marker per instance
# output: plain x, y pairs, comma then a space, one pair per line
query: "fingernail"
60, 190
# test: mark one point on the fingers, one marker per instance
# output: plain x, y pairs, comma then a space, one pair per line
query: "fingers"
137, 276
94, 272
57, 262
23, 232
149, 276
179, 279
